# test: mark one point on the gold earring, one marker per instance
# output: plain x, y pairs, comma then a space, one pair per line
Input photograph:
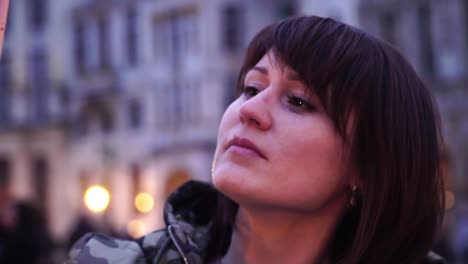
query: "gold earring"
352, 201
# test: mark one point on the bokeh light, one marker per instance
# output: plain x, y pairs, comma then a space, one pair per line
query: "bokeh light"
144, 202
97, 199
136, 228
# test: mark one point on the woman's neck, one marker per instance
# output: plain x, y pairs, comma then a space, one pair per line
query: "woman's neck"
269, 236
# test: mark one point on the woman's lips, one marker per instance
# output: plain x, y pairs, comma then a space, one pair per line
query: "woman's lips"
245, 147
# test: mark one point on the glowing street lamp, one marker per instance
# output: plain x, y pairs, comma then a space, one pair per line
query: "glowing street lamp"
144, 202
97, 199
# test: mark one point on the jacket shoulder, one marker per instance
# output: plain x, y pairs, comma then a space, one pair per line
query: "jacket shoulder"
101, 249
154, 248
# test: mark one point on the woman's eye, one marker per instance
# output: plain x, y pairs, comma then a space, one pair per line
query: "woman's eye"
250, 91
298, 102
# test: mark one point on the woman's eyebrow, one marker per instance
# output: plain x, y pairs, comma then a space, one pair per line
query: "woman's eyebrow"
290, 75
262, 70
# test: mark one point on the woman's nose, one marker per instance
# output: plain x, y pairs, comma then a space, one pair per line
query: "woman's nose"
256, 111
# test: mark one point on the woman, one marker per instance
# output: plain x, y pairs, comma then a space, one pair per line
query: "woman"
331, 154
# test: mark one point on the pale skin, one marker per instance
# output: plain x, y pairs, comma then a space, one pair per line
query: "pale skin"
293, 186
3, 18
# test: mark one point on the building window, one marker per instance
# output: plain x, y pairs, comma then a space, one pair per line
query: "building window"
39, 82
5, 171
167, 100
176, 35
176, 107
425, 40
41, 177
160, 106
104, 47
286, 8
107, 121
5, 89
80, 48
179, 103
38, 13
161, 35
182, 32
193, 39
232, 30
388, 29
186, 101
131, 21
135, 114
82, 126
230, 90
176, 40
193, 100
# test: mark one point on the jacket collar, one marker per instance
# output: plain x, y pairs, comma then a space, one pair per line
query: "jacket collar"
190, 210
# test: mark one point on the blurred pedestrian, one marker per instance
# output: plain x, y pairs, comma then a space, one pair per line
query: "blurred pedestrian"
23, 231
24, 238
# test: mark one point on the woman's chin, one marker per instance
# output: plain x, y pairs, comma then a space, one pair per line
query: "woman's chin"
229, 182
224, 179
238, 187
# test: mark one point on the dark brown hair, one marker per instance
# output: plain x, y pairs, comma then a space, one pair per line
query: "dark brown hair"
395, 145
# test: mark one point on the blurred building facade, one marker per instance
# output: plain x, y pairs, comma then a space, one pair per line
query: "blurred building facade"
124, 94
33, 146
344, 11
149, 83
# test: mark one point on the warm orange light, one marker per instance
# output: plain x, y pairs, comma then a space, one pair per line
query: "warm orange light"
136, 228
144, 202
97, 199
449, 200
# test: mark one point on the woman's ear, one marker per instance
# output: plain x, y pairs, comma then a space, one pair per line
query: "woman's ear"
3, 20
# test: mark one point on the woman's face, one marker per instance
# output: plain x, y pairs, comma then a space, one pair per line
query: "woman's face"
277, 147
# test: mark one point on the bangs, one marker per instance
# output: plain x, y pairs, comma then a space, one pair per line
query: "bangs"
331, 58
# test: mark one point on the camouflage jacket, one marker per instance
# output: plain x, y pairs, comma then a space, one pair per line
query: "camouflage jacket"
187, 214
